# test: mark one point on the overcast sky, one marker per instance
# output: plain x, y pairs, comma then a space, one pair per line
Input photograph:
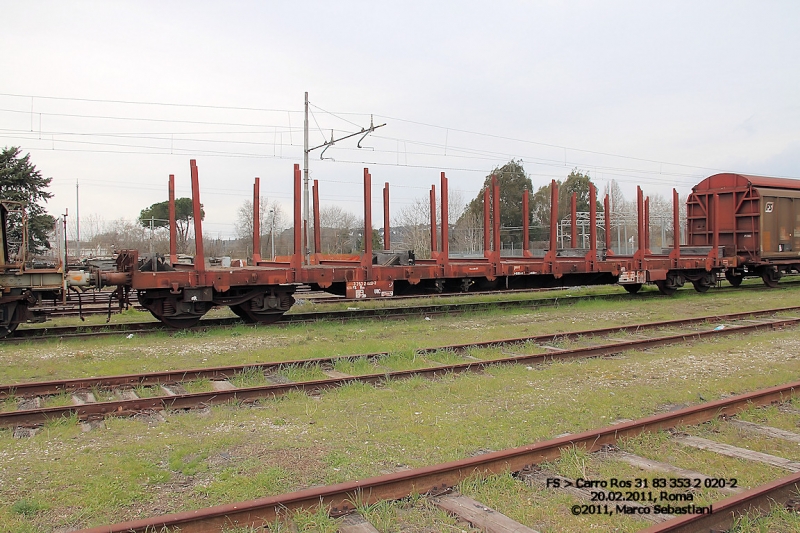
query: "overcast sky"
119, 95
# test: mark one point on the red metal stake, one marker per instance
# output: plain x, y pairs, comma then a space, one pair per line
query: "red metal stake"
173, 240
496, 222
387, 243
647, 224
487, 248
676, 222
256, 221
366, 259
434, 240
676, 229
297, 254
553, 216
525, 224
607, 217
640, 219
317, 229
592, 223
199, 257
445, 222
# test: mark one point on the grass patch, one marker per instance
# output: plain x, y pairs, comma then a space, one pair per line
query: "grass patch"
187, 460
62, 399
27, 507
148, 391
779, 519
136, 467
299, 373
198, 385
355, 367
250, 377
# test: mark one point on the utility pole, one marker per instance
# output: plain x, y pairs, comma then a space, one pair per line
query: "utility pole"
66, 241
305, 184
364, 132
78, 221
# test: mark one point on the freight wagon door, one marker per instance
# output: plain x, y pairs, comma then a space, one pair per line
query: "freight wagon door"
725, 220
785, 224
796, 236
769, 225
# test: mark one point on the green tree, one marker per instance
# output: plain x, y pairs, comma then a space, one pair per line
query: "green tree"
512, 180
21, 182
577, 182
184, 217
377, 241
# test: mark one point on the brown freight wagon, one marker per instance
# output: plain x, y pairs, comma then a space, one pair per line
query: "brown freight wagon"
753, 220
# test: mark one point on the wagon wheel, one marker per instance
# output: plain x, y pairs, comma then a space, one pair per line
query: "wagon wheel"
264, 313
665, 289
632, 288
241, 313
704, 283
770, 278
13, 324
164, 310
701, 286
734, 278
266, 317
179, 322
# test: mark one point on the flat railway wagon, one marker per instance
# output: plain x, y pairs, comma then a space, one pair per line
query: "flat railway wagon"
754, 220
25, 284
180, 294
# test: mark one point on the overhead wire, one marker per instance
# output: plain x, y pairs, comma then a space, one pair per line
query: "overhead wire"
139, 119
133, 102
453, 151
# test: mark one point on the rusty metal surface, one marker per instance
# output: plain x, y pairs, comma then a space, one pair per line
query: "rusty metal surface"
339, 498
256, 221
727, 180
526, 270
173, 239
197, 210
712, 199
760, 499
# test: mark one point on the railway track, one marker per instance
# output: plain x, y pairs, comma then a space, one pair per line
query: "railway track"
304, 293
437, 481
61, 332
98, 397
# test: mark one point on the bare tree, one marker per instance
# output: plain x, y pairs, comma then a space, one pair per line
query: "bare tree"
467, 235
123, 234
413, 224
244, 223
337, 230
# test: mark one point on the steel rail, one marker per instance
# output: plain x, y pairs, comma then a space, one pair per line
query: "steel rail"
341, 498
29, 389
32, 417
312, 316
322, 298
759, 499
